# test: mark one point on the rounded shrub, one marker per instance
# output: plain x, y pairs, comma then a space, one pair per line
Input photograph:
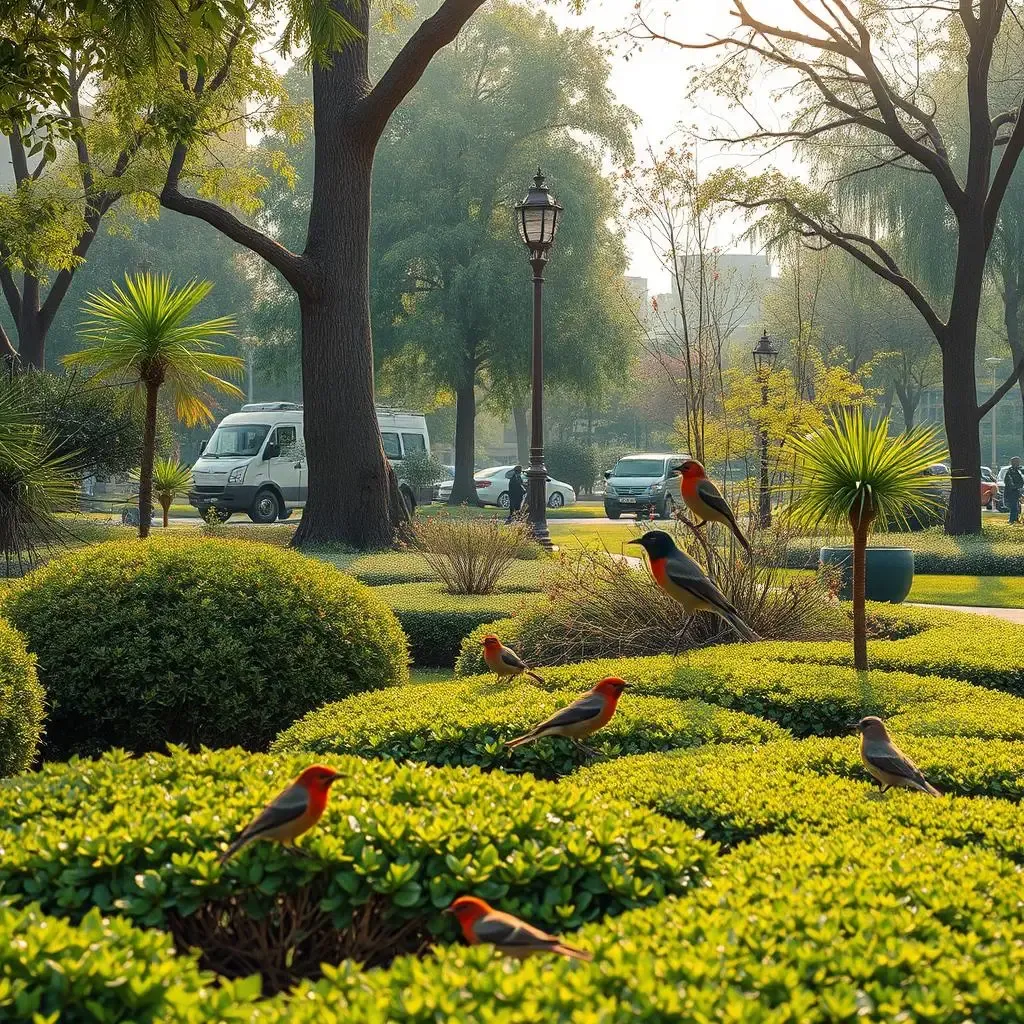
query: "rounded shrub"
21, 703
197, 642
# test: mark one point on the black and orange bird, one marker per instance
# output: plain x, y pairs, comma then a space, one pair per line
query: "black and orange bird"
704, 499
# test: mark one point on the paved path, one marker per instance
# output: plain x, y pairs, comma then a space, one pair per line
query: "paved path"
1006, 614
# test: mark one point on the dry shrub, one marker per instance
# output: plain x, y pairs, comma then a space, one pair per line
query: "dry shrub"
469, 555
603, 606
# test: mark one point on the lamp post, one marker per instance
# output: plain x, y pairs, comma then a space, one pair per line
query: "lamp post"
538, 217
994, 361
766, 351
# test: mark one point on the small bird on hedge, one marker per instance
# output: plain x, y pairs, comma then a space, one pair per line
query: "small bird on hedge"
503, 661
481, 923
292, 812
704, 499
581, 718
684, 581
886, 763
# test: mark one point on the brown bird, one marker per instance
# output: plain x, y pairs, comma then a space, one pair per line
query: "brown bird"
581, 718
481, 923
704, 499
503, 661
886, 763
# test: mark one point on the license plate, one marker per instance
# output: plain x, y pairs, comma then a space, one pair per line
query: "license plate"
628, 501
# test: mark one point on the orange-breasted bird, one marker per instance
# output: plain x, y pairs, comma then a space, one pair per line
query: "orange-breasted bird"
292, 812
581, 718
503, 661
885, 761
509, 935
704, 499
684, 581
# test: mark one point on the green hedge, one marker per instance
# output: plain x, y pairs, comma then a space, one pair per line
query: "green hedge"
21, 703
141, 837
735, 794
467, 723
382, 569
436, 621
197, 642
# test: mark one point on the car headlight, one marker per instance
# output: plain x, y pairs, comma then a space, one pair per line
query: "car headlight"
610, 490
237, 475
656, 488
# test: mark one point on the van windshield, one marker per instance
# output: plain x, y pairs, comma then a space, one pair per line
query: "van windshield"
237, 439
639, 467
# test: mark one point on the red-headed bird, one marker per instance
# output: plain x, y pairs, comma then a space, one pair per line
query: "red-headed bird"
581, 718
503, 661
684, 581
704, 499
508, 934
885, 761
292, 812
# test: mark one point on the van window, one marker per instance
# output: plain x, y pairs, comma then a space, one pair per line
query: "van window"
413, 444
392, 447
287, 441
236, 439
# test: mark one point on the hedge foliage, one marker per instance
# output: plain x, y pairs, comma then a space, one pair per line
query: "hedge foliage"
381, 569
21, 703
146, 833
467, 723
197, 642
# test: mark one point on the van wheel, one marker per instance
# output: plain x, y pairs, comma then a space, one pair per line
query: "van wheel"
504, 501
409, 498
265, 508
556, 500
668, 508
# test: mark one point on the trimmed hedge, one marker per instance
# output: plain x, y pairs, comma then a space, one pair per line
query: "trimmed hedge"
470, 661
146, 833
436, 621
21, 703
467, 723
734, 794
197, 642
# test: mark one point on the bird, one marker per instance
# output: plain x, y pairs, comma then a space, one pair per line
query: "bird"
295, 810
482, 923
581, 718
503, 661
704, 499
684, 581
886, 763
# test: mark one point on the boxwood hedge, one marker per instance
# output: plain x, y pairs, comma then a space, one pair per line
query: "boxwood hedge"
467, 723
21, 703
197, 642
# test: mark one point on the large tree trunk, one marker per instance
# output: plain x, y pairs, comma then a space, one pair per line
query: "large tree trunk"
148, 453
522, 433
861, 527
463, 488
31, 336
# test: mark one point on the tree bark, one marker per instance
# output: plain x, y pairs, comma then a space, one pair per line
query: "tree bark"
463, 488
861, 527
148, 453
522, 433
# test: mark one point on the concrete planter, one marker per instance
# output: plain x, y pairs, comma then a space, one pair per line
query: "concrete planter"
889, 571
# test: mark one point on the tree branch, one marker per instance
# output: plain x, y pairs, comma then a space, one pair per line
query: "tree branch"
10, 289
997, 395
1001, 179
7, 350
293, 268
434, 33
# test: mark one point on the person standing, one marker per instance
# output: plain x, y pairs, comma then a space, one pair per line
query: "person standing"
1013, 484
516, 493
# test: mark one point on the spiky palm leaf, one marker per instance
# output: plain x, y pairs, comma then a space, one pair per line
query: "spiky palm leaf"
170, 478
140, 333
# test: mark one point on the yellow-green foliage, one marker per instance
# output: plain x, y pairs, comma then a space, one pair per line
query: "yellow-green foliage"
197, 642
385, 568
468, 722
21, 703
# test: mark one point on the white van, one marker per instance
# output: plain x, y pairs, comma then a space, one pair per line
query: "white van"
255, 462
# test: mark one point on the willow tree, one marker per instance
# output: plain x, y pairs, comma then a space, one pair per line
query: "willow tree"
853, 75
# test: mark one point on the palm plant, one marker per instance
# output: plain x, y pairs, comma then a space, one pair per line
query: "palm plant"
140, 336
170, 479
853, 473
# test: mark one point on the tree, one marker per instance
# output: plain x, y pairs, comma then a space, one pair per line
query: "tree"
140, 335
859, 77
358, 503
171, 478
853, 472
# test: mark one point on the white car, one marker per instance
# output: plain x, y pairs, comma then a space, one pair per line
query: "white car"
492, 488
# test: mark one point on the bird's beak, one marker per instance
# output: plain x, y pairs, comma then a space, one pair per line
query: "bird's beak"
483, 643
854, 727
334, 778
447, 910
639, 540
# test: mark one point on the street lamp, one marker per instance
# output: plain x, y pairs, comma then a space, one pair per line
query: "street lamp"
538, 217
994, 361
765, 353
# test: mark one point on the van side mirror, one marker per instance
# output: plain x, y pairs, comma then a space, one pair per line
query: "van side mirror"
607, 474
202, 446
272, 451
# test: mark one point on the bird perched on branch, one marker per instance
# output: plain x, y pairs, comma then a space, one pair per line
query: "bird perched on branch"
684, 581
704, 499
581, 718
503, 661
510, 935
886, 763
292, 812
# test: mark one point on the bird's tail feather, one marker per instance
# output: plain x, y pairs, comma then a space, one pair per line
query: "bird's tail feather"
743, 540
930, 789
742, 628
235, 846
533, 675
572, 951
520, 740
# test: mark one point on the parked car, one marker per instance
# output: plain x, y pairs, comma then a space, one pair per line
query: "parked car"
640, 483
447, 475
492, 488
989, 488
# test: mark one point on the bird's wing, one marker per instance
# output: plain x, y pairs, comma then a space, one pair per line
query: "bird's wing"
582, 710
712, 497
508, 931
290, 804
511, 658
893, 761
684, 572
